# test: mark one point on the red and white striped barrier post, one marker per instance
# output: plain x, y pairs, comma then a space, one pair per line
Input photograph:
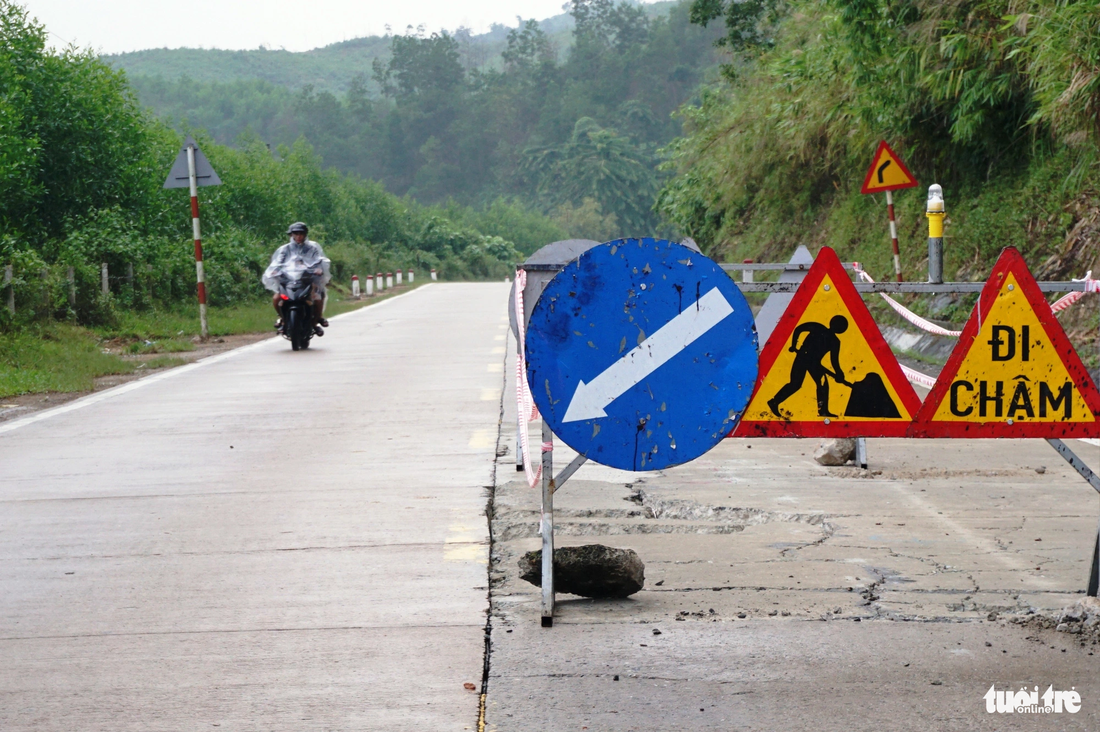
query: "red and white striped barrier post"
433, 276
389, 280
398, 278
411, 274
378, 282
893, 233
199, 275
355, 286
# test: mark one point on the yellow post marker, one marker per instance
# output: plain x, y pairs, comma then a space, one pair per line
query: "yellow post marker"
935, 213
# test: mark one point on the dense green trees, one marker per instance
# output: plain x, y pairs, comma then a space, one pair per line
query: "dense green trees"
991, 98
81, 173
72, 137
552, 131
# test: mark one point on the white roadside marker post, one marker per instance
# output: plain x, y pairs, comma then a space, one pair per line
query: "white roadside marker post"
355, 286
378, 282
411, 274
398, 278
200, 275
370, 286
389, 280
433, 276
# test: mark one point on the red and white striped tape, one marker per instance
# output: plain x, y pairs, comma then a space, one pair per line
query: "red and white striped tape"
525, 403
1070, 298
917, 377
905, 312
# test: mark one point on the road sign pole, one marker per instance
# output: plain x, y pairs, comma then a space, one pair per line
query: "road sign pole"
519, 442
199, 275
546, 526
893, 234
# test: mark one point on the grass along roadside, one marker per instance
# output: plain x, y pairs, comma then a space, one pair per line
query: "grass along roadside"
64, 358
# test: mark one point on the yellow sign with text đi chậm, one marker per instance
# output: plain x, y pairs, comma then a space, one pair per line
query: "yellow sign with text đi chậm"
1014, 372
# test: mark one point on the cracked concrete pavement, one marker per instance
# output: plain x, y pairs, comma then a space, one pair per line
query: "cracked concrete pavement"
783, 595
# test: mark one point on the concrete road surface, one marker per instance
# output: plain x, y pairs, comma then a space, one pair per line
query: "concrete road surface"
264, 540
783, 596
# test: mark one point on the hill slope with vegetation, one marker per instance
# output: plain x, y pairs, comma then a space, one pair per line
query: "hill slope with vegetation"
82, 166
998, 101
564, 117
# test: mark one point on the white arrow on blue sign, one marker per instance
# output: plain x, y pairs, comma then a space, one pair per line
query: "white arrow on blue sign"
641, 354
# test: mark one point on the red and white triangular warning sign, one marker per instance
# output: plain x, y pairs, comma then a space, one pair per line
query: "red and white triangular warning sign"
826, 370
1014, 372
887, 172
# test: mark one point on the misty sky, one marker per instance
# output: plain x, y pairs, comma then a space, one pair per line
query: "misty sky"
114, 26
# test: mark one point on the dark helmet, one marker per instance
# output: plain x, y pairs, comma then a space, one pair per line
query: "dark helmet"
298, 228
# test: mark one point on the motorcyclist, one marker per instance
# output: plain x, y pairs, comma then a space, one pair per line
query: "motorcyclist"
305, 253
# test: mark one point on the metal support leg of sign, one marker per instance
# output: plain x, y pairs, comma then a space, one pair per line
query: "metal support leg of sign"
519, 443
550, 486
546, 526
1094, 573
1094, 480
861, 452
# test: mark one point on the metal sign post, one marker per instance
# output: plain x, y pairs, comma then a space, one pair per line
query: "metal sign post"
191, 170
546, 526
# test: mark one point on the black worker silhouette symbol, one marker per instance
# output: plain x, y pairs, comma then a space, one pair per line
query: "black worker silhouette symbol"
869, 397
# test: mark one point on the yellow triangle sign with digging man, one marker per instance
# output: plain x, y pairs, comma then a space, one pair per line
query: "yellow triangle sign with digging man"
826, 370
1014, 372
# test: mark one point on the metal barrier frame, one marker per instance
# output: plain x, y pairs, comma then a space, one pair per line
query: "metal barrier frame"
551, 483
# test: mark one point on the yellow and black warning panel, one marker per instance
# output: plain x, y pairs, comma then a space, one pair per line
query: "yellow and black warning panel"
826, 370
887, 172
1014, 372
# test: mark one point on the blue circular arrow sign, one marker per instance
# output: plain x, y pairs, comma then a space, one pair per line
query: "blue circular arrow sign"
641, 354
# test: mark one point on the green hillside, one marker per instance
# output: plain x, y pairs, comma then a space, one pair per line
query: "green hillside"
563, 116
333, 67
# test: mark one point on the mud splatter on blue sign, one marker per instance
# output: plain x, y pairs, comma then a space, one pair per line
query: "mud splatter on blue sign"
641, 354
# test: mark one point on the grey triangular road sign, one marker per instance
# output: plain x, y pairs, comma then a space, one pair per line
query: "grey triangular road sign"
204, 172
777, 302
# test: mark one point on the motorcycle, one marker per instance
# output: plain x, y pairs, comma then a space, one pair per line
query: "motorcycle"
295, 284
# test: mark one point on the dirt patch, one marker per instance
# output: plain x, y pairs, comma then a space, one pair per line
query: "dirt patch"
20, 406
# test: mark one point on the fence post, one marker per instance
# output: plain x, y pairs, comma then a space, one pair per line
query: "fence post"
104, 282
746, 275
71, 277
8, 276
